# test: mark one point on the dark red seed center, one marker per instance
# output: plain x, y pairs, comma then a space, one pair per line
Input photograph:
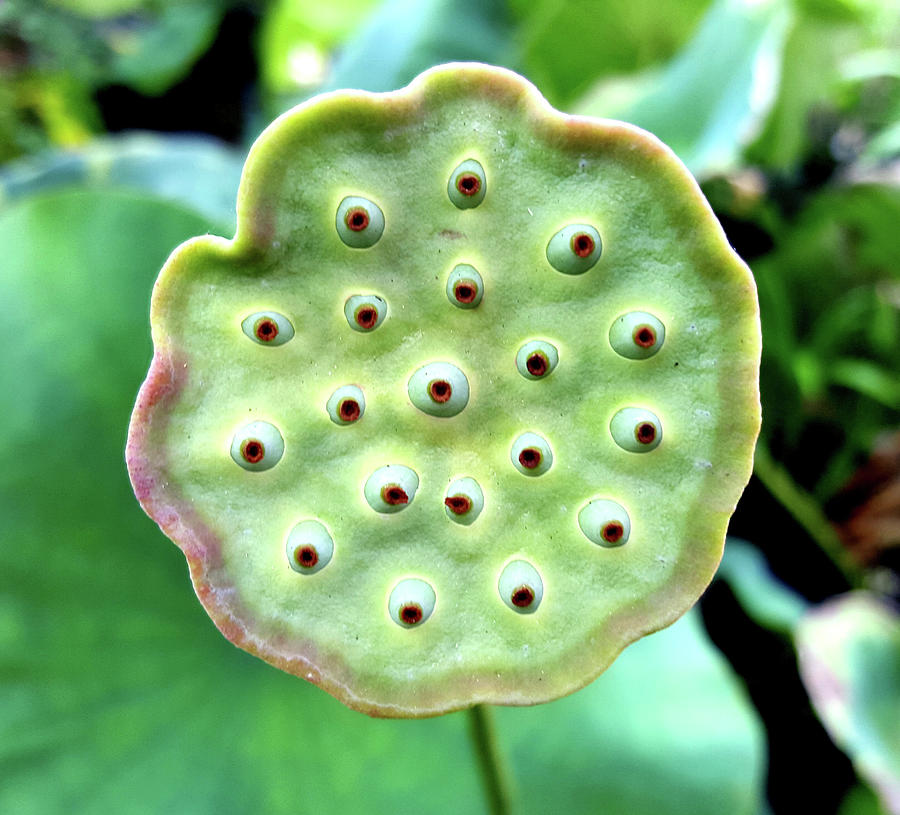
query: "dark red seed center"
522, 597
582, 244
440, 390
530, 458
613, 532
411, 613
306, 556
349, 410
537, 364
266, 330
393, 494
366, 317
645, 336
645, 433
468, 184
458, 504
465, 292
357, 219
253, 451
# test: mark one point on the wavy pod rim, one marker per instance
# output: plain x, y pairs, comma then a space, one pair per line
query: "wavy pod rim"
169, 372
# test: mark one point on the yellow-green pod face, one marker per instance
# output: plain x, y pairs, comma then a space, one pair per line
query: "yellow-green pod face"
521, 587
257, 446
465, 288
391, 488
346, 405
439, 389
268, 328
537, 359
605, 522
637, 430
637, 335
309, 547
467, 184
463, 501
411, 602
531, 454
365, 312
359, 222
574, 249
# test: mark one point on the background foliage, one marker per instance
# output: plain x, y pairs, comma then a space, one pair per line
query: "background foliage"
123, 127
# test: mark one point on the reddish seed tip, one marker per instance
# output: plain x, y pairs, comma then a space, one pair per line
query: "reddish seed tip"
411, 613
366, 317
537, 364
306, 556
465, 292
522, 597
645, 433
644, 336
612, 532
530, 457
440, 390
582, 244
394, 495
468, 184
252, 451
458, 504
266, 330
349, 410
356, 219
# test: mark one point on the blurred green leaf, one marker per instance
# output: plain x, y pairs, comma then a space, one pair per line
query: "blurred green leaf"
849, 653
710, 100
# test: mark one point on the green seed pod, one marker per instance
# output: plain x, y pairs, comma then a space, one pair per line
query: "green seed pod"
439, 389
346, 405
309, 547
463, 501
531, 454
465, 288
411, 602
605, 522
268, 328
574, 249
637, 335
365, 312
391, 488
537, 359
359, 222
521, 587
636, 430
467, 184
257, 446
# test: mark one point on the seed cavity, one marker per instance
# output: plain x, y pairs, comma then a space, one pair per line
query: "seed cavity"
537, 359
574, 249
463, 501
605, 522
309, 547
439, 389
268, 328
635, 429
257, 446
365, 312
521, 587
637, 335
346, 405
391, 488
465, 287
467, 184
359, 222
411, 602
531, 454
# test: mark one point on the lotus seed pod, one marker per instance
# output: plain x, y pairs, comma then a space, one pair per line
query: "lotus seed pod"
375, 315
521, 587
467, 184
537, 359
637, 335
268, 328
309, 547
465, 288
464, 501
346, 405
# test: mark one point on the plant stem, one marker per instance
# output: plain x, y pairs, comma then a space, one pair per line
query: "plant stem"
807, 512
493, 770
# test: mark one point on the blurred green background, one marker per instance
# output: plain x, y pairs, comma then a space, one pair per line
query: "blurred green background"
123, 128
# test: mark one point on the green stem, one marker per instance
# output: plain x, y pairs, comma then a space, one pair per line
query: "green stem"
807, 512
493, 770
